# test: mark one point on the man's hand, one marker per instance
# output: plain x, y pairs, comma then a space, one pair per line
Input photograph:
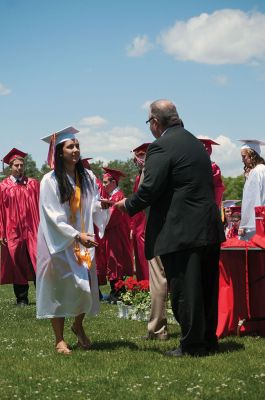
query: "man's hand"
120, 205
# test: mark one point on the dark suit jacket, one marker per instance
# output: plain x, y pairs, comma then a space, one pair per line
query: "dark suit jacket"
178, 187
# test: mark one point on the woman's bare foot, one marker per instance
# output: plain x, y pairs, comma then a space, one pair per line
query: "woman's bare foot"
62, 348
83, 341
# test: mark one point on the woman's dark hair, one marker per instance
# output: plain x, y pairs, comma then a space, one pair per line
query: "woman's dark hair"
65, 188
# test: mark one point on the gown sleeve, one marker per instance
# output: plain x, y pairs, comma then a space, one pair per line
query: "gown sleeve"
100, 217
251, 199
58, 233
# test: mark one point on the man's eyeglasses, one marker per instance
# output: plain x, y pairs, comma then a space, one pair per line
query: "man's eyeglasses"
149, 120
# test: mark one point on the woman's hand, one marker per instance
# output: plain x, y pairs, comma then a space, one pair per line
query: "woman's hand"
87, 239
105, 203
3, 242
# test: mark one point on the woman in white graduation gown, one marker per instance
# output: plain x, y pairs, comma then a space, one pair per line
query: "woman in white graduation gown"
254, 188
66, 279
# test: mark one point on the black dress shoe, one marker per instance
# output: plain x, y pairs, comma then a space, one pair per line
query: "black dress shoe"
22, 303
175, 353
180, 353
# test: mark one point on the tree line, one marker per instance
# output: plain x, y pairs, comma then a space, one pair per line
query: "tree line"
233, 186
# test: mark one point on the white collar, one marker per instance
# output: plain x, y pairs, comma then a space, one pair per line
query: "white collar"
114, 191
14, 180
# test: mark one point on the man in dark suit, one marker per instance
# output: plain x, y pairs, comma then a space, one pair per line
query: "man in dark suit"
184, 226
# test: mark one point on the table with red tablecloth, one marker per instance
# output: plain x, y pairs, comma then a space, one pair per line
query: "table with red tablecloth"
241, 289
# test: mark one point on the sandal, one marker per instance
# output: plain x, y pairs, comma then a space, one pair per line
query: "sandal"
83, 341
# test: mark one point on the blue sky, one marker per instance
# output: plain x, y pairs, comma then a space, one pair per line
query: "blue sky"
97, 65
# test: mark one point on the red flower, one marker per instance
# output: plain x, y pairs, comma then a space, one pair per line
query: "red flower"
130, 283
144, 285
119, 285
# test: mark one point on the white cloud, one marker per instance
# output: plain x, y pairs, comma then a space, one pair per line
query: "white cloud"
146, 104
139, 46
93, 121
227, 36
221, 80
4, 90
227, 156
110, 144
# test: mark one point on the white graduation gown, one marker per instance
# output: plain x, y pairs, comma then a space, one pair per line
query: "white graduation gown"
63, 287
253, 196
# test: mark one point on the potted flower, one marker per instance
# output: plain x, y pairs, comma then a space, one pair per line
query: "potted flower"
134, 298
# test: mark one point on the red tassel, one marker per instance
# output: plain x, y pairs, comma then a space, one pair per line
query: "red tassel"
50, 159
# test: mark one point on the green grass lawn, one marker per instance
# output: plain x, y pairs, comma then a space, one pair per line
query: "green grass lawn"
120, 365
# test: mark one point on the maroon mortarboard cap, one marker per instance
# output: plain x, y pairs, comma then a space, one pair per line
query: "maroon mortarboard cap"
143, 147
208, 142
235, 209
113, 173
85, 162
13, 154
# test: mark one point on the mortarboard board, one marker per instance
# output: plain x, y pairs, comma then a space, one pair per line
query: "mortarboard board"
230, 203
252, 144
113, 173
13, 154
85, 162
56, 138
143, 147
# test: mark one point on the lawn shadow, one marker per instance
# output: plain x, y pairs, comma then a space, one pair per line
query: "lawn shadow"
226, 347
229, 346
112, 345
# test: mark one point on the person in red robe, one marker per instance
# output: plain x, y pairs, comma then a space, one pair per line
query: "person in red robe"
235, 222
138, 221
100, 250
117, 233
19, 211
219, 187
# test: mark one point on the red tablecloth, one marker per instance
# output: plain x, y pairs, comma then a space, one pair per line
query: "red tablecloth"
241, 290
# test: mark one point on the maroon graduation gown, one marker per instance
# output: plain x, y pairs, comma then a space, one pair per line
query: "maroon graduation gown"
138, 223
118, 242
19, 209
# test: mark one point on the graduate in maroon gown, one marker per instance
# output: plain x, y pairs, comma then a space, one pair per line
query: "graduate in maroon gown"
100, 250
138, 221
19, 209
219, 187
117, 232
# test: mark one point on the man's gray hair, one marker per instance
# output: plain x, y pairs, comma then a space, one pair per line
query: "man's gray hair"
165, 112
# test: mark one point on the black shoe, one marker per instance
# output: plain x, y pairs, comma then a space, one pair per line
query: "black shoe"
22, 303
112, 299
175, 353
180, 353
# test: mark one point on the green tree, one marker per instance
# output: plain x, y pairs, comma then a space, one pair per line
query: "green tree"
44, 169
130, 170
233, 187
31, 169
